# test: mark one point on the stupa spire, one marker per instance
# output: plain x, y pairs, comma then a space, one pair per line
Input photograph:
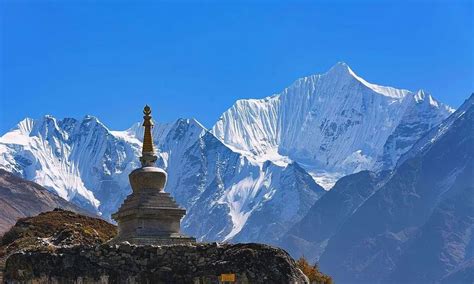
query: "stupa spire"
148, 157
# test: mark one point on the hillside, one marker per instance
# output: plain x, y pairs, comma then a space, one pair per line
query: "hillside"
21, 198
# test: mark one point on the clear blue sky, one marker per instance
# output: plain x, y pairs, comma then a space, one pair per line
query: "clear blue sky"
190, 59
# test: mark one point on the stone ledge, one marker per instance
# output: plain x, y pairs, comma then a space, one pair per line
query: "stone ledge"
165, 240
125, 263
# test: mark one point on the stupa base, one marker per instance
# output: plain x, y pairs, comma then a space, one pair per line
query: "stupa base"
154, 240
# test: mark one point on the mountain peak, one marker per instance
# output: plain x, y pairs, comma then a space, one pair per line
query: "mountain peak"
423, 97
26, 125
340, 68
188, 125
92, 118
92, 121
195, 122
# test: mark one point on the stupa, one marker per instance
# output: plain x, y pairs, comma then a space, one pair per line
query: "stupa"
149, 216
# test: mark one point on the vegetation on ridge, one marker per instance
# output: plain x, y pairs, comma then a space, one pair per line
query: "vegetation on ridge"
312, 271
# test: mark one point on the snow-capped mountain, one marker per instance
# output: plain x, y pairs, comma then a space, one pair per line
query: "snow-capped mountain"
335, 123
253, 175
224, 192
79, 160
412, 225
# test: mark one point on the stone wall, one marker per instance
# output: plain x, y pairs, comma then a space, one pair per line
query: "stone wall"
125, 263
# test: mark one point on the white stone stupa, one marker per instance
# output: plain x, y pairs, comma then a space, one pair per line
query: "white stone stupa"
149, 216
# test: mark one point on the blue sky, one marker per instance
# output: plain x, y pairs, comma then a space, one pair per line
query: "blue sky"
194, 59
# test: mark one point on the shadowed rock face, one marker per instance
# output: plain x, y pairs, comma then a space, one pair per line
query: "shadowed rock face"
310, 236
124, 263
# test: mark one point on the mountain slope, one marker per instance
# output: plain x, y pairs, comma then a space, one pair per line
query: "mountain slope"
20, 198
310, 236
443, 243
418, 226
334, 122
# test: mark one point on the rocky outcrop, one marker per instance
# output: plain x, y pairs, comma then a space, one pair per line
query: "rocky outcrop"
51, 230
55, 229
125, 263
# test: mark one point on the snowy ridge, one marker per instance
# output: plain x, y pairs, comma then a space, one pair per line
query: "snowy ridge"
335, 123
85, 162
385, 91
430, 138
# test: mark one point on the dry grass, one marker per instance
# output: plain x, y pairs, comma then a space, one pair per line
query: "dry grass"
312, 271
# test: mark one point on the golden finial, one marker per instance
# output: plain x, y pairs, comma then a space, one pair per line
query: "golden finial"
148, 154
147, 111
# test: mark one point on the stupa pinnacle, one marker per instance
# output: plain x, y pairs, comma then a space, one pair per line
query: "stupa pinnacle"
148, 157
149, 215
